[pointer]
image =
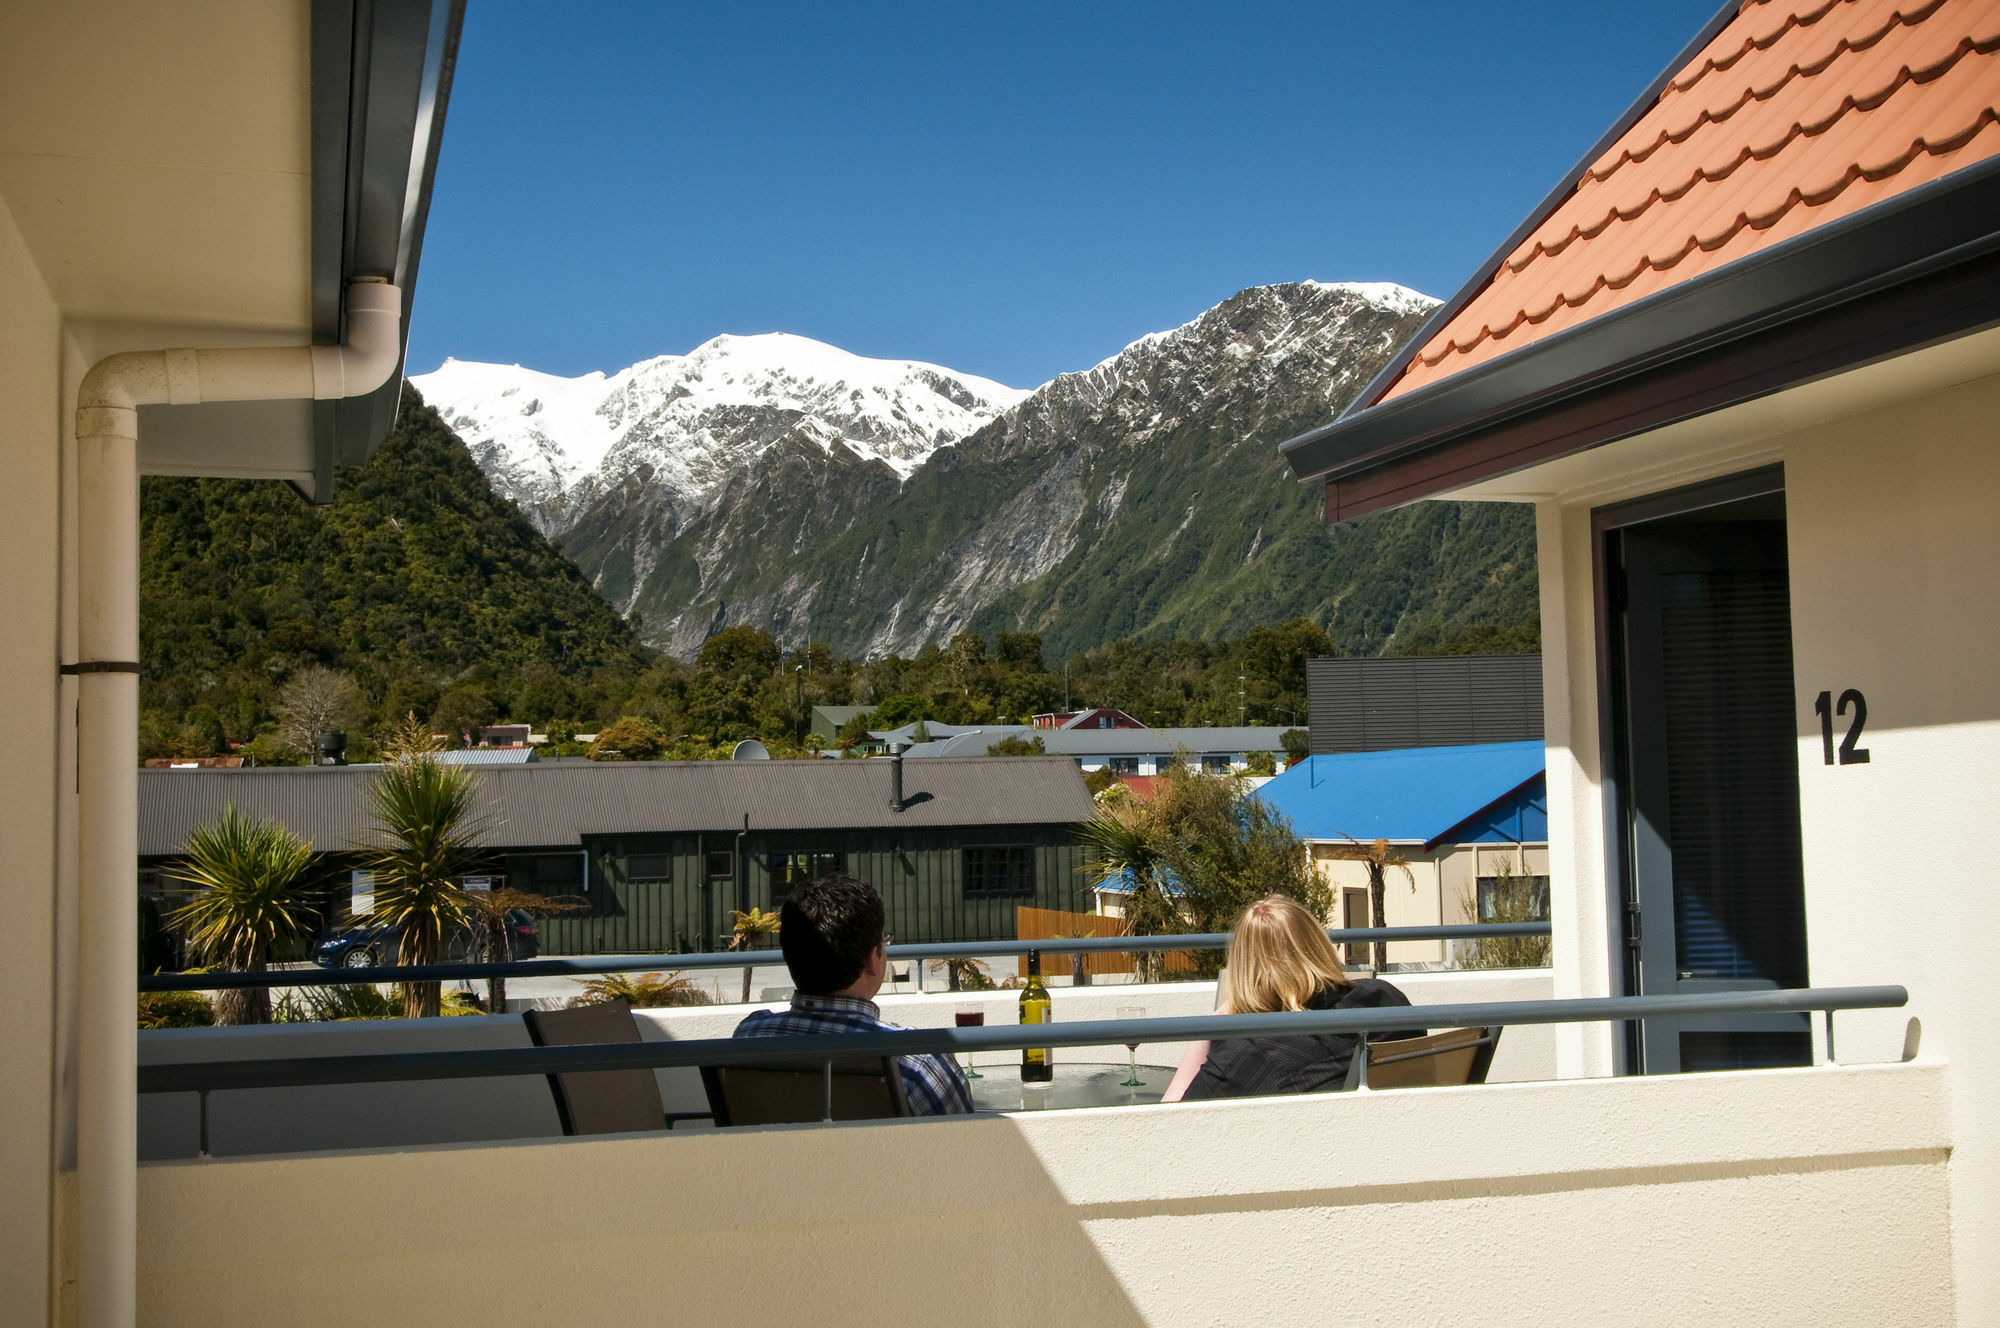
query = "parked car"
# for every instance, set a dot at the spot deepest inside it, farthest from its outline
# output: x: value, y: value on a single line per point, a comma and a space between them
x: 362, y: 946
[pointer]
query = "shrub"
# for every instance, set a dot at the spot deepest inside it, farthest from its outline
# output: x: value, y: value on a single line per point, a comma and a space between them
x: 643, y: 991
x: 175, y: 1009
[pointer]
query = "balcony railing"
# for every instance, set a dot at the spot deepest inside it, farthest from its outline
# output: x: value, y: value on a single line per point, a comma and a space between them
x: 205, y: 1077
x: 717, y: 959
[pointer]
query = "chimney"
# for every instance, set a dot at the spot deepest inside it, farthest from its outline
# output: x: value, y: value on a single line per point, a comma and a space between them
x: 896, y: 776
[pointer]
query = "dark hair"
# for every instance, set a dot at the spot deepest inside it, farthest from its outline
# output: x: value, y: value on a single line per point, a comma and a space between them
x: 826, y: 929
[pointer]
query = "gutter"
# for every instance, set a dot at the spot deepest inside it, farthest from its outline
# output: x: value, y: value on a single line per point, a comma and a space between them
x: 107, y: 721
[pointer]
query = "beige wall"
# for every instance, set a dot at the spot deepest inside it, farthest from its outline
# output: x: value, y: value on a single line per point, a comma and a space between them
x: 1707, y: 1198
x: 1895, y: 559
x: 30, y: 475
x: 1430, y: 893
x: 1895, y: 588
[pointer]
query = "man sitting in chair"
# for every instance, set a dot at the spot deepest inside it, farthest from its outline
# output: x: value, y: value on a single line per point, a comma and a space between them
x: 831, y: 932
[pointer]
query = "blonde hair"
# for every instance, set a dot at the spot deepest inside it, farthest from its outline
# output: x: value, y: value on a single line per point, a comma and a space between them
x: 1279, y: 958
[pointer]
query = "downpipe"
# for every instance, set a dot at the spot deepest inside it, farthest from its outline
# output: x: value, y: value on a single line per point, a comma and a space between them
x: 107, y: 720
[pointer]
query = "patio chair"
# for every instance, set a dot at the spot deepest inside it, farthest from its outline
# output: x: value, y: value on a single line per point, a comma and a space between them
x: 870, y: 1088
x: 598, y: 1101
x: 1458, y: 1056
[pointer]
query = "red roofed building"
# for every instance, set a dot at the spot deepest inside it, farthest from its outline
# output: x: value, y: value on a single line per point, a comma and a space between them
x: 1745, y: 361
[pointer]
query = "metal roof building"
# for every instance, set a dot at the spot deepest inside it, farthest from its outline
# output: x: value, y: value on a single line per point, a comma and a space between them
x: 1491, y: 793
x: 548, y: 804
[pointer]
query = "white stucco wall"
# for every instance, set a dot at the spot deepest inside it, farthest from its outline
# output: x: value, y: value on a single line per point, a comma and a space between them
x: 1788, y: 1196
x: 1895, y: 590
x: 30, y: 542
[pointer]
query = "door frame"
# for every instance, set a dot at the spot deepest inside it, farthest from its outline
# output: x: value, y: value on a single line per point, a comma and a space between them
x: 1620, y: 876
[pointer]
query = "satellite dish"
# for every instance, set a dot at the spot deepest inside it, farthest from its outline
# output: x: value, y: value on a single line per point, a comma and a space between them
x: 750, y: 750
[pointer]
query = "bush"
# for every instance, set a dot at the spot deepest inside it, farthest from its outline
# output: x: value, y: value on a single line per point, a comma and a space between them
x: 1260, y: 763
x: 1016, y: 745
x: 175, y: 1009
x: 342, y: 1004
x: 645, y: 991
x: 1513, y: 901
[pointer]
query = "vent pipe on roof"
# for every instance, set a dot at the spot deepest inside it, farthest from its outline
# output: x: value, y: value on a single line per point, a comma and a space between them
x: 896, y: 776
x: 107, y: 710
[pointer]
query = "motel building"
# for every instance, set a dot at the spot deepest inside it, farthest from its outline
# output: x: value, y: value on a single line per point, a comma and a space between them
x: 1744, y: 361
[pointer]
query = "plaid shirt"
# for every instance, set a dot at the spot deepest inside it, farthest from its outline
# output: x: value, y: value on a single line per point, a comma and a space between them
x: 933, y: 1083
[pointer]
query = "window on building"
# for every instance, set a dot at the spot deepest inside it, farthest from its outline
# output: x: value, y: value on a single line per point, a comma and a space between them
x: 649, y: 867
x: 546, y: 873
x: 721, y: 863
x: 1124, y: 765
x: 1513, y: 899
x: 1000, y: 871
x: 792, y: 869
x: 1218, y: 763
x: 1104, y: 722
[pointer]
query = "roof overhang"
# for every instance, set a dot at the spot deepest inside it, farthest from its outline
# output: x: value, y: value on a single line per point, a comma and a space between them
x: 1445, y: 836
x: 381, y: 77
x: 215, y: 176
x: 1914, y: 270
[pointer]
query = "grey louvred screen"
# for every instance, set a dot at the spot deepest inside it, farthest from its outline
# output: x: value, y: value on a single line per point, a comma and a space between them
x: 1373, y: 705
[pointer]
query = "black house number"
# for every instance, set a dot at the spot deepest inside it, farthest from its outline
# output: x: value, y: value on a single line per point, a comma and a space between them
x: 1825, y: 707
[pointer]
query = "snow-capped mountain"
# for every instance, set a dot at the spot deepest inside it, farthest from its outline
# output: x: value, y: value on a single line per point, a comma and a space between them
x: 687, y: 421
x: 881, y: 505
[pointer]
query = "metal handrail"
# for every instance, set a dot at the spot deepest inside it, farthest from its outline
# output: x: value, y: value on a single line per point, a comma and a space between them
x: 535, y: 968
x: 293, y: 1072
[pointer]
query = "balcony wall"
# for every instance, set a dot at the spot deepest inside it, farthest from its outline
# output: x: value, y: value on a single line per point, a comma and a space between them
x: 1781, y: 1196
x: 284, y: 1120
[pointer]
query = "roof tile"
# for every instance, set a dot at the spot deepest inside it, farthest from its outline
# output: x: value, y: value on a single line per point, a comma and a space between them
x: 1795, y: 115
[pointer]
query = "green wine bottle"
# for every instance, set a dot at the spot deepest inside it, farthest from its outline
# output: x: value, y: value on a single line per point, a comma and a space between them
x: 1037, y: 1066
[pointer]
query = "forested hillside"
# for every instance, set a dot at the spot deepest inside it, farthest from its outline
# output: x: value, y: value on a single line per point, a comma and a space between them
x: 421, y: 591
x: 418, y: 582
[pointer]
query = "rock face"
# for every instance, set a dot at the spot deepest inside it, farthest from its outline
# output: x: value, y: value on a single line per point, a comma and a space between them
x: 879, y: 507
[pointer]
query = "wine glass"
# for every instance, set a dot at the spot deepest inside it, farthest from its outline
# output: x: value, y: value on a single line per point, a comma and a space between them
x: 1132, y: 1048
x: 971, y: 1019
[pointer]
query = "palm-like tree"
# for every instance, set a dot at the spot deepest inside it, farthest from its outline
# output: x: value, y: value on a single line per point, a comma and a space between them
x: 424, y: 811
x: 748, y: 927
x: 488, y: 915
x: 1128, y: 854
x: 248, y: 900
x: 1379, y: 859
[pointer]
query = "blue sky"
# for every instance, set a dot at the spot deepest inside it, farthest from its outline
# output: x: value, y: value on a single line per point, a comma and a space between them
x: 1012, y: 190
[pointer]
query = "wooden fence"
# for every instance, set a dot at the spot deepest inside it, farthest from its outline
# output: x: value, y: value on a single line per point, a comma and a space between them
x: 1047, y: 924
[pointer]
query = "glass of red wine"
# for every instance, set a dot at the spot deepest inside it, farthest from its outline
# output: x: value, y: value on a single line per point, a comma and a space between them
x: 1132, y: 1048
x: 971, y: 1019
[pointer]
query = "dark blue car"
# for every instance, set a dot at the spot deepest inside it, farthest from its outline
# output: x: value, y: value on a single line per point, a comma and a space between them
x: 360, y: 946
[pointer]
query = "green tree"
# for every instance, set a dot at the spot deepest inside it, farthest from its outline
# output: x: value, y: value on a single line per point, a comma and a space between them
x: 423, y: 810
x: 1016, y: 745
x: 247, y: 901
x: 1198, y: 852
x: 1297, y: 744
x: 630, y: 739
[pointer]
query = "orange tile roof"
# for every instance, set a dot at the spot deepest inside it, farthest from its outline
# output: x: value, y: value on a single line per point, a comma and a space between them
x: 1798, y: 112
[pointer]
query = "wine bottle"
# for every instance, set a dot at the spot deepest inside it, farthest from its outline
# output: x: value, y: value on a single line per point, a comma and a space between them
x: 1037, y: 1066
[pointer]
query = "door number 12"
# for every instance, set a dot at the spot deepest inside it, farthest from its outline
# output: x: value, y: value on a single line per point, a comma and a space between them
x: 1824, y: 707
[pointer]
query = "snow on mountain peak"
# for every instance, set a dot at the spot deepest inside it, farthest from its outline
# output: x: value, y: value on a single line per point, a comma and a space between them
x: 690, y: 419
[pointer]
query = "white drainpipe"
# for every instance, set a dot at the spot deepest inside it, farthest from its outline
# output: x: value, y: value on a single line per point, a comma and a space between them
x: 107, y: 441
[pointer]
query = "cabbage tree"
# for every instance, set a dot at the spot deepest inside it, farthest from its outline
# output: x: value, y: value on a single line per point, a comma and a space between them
x: 247, y: 901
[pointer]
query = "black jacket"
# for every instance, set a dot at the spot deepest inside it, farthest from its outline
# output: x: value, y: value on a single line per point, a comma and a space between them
x: 1311, y: 1063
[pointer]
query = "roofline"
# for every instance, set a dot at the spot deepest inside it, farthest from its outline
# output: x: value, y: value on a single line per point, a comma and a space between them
x: 1386, y: 377
x: 1462, y: 821
x: 381, y: 82
x: 1942, y: 224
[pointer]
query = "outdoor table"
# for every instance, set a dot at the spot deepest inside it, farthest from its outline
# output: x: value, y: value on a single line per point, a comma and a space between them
x: 1076, y: 1084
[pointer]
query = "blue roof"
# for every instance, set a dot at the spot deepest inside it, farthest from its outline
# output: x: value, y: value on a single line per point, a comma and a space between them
x: 1488, y: 793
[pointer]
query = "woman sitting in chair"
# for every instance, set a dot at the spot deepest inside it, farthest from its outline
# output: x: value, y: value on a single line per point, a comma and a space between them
x: 1280, y: 959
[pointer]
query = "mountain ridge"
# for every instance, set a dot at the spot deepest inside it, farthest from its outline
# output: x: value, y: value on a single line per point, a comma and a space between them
x: 1143, y: 495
